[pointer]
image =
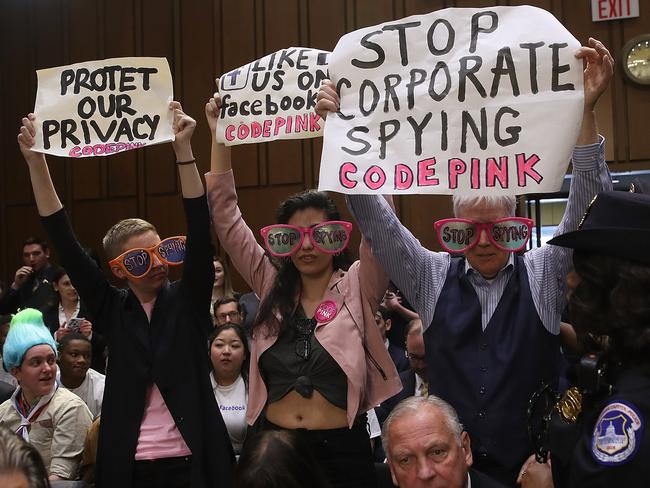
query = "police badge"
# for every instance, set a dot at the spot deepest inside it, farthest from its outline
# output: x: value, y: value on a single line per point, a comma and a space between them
x: 617, y: 434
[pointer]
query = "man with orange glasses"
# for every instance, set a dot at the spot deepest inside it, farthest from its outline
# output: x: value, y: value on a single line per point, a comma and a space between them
x: 160, y: 425
x: 491, y: 317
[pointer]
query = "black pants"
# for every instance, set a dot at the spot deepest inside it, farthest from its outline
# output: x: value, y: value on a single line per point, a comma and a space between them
x: 344, y: 454
x: 162, y: 473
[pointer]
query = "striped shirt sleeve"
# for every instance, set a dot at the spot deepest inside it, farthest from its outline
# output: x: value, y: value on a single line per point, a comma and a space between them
x: 418, y: 273
x: 548, y: 266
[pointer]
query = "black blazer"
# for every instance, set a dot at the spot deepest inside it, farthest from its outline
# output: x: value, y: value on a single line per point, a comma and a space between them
x: 398, y: 355
x: 170, y: 351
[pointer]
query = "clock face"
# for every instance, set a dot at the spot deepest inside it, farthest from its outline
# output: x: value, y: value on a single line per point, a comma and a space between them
x: 636, y: 61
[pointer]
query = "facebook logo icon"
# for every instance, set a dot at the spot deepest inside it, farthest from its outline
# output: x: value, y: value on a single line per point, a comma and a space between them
x: 234, y: 80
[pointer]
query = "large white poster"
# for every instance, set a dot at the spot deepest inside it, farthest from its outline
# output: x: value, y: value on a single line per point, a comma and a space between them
x: 459, y: 100
x: 272, y: 98
x: 103, y: 107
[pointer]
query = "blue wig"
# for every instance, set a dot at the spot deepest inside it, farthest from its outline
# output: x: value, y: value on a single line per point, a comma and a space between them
x: 26, y: 330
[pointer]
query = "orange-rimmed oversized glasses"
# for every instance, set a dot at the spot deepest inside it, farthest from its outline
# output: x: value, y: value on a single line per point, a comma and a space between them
x: 138, y: 262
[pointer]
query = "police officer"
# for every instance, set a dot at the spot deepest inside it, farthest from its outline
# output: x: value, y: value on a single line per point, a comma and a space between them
x: 610, y: 309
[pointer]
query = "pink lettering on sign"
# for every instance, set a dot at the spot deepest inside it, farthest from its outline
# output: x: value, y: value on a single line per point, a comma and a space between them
x: 473, y: 173
x: 326, y: 311
x: 290, y: 124
x: 103, y: 149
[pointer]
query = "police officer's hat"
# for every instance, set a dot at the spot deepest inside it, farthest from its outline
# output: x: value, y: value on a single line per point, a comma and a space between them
x: 615, y: 224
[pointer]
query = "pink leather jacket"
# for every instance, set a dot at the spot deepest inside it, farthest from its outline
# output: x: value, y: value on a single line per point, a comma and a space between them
x: 371, y: 374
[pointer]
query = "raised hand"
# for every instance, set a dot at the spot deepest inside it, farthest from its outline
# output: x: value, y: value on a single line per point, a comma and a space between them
x: 212, y: 109
x: 183, y: 126
x: 599, y: 69
x: 327, y: 99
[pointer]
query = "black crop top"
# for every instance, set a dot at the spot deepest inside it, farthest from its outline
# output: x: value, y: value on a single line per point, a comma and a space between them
x: 297, y: 361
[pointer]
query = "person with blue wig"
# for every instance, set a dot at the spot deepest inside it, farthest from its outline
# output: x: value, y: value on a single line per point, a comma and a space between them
x: 52, y: 419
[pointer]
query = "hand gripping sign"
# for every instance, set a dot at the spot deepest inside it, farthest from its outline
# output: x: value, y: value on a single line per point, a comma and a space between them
x: 272, y: 98
x: 103, y: 107
x: 456, y: 101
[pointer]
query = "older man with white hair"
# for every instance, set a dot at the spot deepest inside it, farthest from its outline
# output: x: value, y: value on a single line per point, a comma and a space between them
x: 426, y: 447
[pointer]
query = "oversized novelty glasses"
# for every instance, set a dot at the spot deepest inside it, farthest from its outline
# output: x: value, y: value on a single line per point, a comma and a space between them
x: 330, y: 237
x: 137, y: 262
x: 458, y: 235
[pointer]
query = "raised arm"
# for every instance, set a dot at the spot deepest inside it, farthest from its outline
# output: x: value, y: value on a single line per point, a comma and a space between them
x: 198, y: 272
x: 550, y: 264
x: 47, y: 200
x: 248, y: 257
x: 418, y: 272
x: 87, y: 278
x: 598, y: 71
x: 183, y: 126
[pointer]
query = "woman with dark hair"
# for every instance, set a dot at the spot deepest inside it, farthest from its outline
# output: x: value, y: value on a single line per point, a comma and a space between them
x: 20, y: 463
x: 610, y: 310
x: 318, y: 361
x: 229, y: 355
x: 278, y: 459
x: 68, y: 315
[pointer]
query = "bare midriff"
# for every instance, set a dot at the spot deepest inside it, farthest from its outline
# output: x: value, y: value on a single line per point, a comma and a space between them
x: 293, y: 411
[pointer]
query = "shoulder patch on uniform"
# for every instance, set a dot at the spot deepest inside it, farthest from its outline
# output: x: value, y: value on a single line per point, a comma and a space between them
x: 617, y: 434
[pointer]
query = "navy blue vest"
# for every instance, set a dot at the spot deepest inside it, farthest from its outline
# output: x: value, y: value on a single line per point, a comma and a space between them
x: 489, y: 376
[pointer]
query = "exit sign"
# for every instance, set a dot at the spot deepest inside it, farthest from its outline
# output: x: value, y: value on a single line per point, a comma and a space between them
x: 614, y: 9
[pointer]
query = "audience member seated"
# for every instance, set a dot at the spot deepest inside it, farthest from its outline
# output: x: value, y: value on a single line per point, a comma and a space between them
x: 67, y: 314
x: 278, y: 459
x: 76, y: 374
x: 426, y: 446
x: 52, y: 419
x: 397, y: 354
x: 21, y: 465
x: 226, y: 310
x: 400, y: 313
x: 230, y: 358
x: 222, y: 286
x: 31, y: 287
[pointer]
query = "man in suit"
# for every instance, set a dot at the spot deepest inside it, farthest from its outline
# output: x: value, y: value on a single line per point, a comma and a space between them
x: 32, y: 285
x: 397, y: 354
x: 426, y: 446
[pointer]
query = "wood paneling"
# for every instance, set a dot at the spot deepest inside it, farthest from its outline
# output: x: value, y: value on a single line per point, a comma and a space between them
x: 202, y: 39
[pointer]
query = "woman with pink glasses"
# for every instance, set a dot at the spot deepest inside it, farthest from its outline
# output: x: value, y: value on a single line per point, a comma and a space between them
x: 318, y: 362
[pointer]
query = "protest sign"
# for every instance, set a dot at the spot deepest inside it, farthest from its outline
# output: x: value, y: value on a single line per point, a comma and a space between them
x: 103, y: 107
x: 469, y: 101
x: 272, y: 98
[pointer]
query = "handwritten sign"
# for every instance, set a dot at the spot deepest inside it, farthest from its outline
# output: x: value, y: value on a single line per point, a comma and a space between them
x: 472, y: 101
x: 103, y: 107
x: 272, y: 98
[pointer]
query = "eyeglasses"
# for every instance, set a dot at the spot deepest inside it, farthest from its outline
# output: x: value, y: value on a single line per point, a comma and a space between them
x: 231, y: 315
x: 330, y: 237
x: 138, y: 262
x: 459, y: 235
x: 304, y: 328
x: 415, y: 357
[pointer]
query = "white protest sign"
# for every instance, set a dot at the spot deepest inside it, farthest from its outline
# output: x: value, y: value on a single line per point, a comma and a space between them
x: 456, y: 101
x: 272, y: 98
x: 103, y: 107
